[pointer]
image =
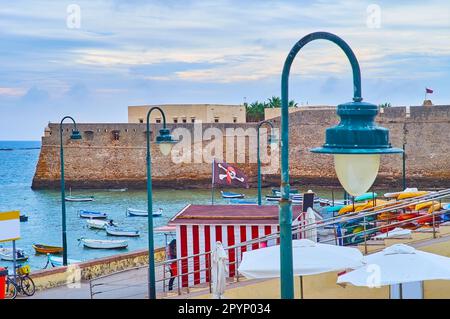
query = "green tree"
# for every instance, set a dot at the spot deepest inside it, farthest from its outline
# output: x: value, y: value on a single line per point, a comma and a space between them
x: 384, y: 105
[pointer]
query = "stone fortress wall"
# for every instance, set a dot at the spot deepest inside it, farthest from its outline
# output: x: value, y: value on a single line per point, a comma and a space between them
x: 100, y: 160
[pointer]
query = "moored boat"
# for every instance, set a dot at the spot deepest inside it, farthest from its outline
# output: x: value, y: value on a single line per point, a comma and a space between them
x: 231, y: 195
x: 116, y: 231
x: 89, y: 214
x: 103, y: 243
x: 47, y: 249
x: 100, y: 224
x: 7, y: 254
x: 142, y: 213
x: 56, y: 261
x: 79, y: 198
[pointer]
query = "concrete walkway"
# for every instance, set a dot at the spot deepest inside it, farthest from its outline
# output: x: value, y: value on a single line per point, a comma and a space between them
x: 127, y: 284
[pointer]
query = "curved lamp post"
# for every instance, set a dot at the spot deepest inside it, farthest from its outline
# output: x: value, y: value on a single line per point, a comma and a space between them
x: 272, y: 140
x: 74, y: 136
x: 356, y: 143
x: 165, y: 141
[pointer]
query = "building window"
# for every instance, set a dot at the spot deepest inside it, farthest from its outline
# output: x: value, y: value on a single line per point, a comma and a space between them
x: 184, y: 120
x: 141, y: 121
x: 88, y: 135
x: 175, y: 119
x: 115, y: 135
x: 234, y: 119
x: 158, y: 120
x: 192, y: 119
x: 216, y: 120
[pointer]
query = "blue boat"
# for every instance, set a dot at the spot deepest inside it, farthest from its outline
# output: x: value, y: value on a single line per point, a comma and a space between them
x: 88, y: 214
x: 231, y: 195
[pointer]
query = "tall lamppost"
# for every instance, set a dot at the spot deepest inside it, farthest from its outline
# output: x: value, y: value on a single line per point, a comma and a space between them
x: 75, y: 135
x: 272, y: 140
x: 165, y: 141
x: 356, y: 143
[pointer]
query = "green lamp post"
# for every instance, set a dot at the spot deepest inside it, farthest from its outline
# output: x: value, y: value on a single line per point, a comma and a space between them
x: 165, y: 141
x: 356, y: 143
x: 272, y: 141
x: 75, y: 135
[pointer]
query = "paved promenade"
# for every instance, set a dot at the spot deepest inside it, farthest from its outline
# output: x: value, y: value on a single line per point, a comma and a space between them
x: 129, y: 284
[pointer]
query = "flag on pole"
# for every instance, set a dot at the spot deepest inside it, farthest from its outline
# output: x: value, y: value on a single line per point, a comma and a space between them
x: 427, y: 90
x: 225, y: 174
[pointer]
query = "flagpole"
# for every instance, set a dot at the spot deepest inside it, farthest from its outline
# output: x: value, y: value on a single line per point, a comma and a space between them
x: 212, y: 181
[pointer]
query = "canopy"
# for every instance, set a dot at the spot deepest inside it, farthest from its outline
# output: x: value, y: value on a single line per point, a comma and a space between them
x: 398, y: 264
x: 309, y: 258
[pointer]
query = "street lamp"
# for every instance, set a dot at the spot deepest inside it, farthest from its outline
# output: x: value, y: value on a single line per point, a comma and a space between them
x: 74, y: 136
x: 356, y: 143
x: 272, y: 140
x: 165, y: 141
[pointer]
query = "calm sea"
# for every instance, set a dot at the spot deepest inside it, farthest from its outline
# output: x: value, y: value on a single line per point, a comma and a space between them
x: 17, y: 165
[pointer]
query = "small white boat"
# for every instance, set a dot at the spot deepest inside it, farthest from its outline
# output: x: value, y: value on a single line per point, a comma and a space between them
x: 79, y: 198
x: 89, y: 214
x: 142, y: 213
x: 56, y: 261
x: 115, y: 231
x: 7, y: 254
x: 104, y: 244
x: 231, y: 195
x: 117, y: 189
x: 100, y: 224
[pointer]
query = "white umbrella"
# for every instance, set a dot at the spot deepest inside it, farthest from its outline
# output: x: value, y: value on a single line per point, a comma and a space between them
x: 218, y: 270
x: 398, y: 264
x: 309, y: 258
x: 311, y: 233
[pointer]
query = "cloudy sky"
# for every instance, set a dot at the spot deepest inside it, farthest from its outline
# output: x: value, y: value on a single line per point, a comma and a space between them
x: 118, y: 53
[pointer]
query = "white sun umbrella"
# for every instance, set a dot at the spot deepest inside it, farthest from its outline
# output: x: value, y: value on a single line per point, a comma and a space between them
x: 398, y: 264
x: 309, y: 258
x: 218, y: 270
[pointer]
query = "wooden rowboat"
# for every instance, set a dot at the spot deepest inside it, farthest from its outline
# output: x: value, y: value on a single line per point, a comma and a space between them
x: 104, y: 244
x: 141, y: 213
x: 79, y: 199
x: 47, y: 249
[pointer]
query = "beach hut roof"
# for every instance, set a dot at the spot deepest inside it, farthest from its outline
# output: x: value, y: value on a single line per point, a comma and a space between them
x: 230, y: 214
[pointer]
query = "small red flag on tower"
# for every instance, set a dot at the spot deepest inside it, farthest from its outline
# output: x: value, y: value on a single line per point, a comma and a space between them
x: 427, y: 90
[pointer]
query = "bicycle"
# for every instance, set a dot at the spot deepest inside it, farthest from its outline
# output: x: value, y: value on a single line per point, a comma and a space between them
x: 22, y: 283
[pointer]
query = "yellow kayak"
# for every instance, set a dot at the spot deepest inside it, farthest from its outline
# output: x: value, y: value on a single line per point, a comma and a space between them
x: 425, y: 205
x: 434, y: 208
x: 370, y: 204
x: 411, y: 194
x: 349, y: 208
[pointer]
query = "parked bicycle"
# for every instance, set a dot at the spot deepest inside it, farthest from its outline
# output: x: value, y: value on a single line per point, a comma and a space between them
x: 22, y: 283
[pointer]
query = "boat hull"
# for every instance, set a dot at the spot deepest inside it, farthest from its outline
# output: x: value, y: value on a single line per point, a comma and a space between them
x: 122, y: 232
x: 104, y: 244
x: 45, y: 249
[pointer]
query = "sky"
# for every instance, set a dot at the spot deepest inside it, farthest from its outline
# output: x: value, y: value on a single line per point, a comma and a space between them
x: 91, y: 59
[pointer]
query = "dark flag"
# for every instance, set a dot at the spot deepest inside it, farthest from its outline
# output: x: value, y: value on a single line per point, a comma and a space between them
x: 225, y: 174
x: 427, y: 90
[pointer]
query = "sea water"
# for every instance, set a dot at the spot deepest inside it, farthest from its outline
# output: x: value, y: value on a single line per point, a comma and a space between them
x: 17, y: 166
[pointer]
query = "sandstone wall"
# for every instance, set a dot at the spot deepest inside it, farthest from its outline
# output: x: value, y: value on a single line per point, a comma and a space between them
x: 98, y: 161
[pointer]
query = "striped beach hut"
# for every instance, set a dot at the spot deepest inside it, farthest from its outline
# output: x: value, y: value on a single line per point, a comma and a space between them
x: 198, y: 227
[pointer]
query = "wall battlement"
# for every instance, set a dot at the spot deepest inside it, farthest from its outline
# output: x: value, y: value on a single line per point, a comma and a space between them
x: 113, y: 155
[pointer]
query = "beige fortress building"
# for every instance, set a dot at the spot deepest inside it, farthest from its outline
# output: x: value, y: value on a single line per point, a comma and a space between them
x: 271, y: 113
x: 189, y: 113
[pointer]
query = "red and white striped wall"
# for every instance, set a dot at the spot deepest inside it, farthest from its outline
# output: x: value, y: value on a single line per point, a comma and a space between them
x: 197, y: 239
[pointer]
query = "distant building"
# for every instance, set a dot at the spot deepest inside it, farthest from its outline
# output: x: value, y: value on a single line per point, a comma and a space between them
x: 189, y: 113
x: 270, y: 113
